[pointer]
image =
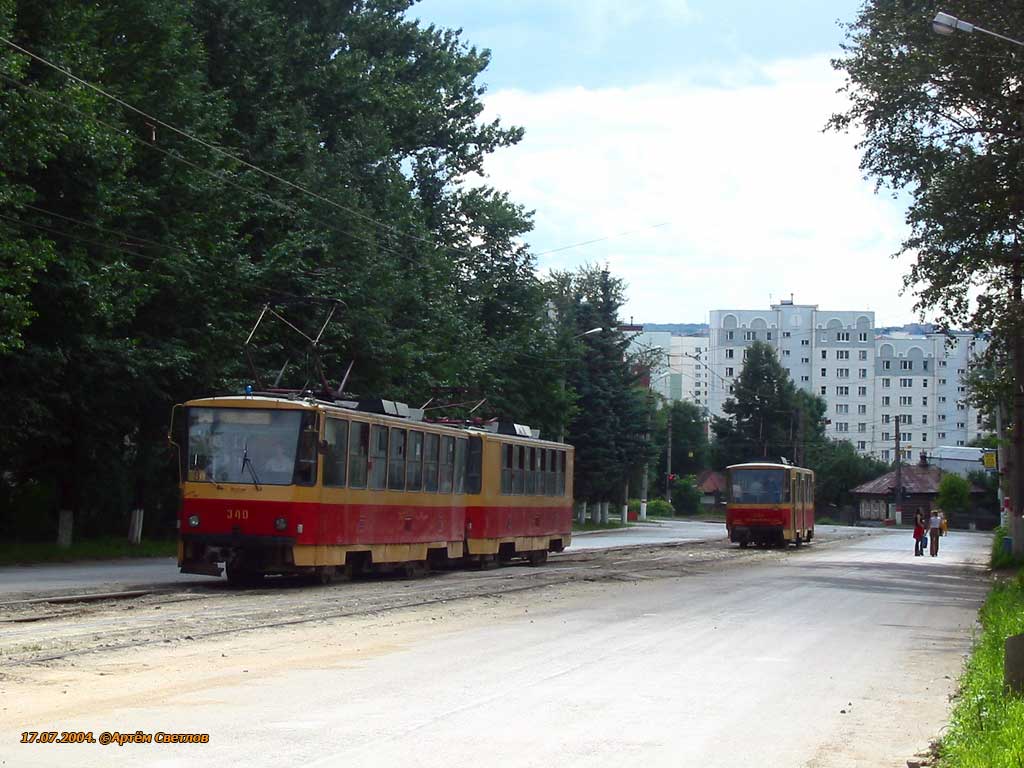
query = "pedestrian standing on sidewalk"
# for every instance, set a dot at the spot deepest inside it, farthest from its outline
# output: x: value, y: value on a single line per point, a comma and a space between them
x: 934, y: 531
x: 918, y: 534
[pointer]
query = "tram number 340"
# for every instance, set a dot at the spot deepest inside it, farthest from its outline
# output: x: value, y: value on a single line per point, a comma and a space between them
x: 238, y: 514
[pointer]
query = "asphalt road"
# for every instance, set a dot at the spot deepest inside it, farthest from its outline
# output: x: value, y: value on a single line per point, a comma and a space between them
x: 838, y: 655
x: 20, y: 581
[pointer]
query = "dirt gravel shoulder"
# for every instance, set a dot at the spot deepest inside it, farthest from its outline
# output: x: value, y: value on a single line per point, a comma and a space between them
x: 45, y: 634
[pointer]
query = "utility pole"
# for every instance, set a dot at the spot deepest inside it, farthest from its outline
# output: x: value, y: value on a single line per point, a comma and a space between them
x: 668, y: 460
x: 1017, y: 486
x: 1004, y: 518
x: 899, y: 474
x: 798, y: 437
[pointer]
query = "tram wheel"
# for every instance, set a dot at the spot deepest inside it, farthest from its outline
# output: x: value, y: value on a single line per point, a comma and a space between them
x: 487, y: 562
x: 415, y: 569
x: 537, y: 557
x: 744, y: 543
x: 798, y: 541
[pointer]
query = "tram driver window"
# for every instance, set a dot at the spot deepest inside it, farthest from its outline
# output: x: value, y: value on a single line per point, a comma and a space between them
x: 336, y: 437
x: 306, y: 458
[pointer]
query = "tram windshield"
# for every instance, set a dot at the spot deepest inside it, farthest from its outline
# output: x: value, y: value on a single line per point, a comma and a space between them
x: 242, y: 445
x: 757, y: 486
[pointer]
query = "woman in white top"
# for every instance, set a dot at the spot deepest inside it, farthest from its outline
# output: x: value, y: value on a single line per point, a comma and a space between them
x: 934, y: 531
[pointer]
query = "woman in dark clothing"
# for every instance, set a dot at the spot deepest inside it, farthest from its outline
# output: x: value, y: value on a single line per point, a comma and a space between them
x: 918, y: 534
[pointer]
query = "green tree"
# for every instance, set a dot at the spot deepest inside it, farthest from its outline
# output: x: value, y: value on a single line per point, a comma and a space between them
x: 954, y: 494
x: 133, y: 261
x: 685, y: 495
x: 760, y: 416
x: 612, y: 413
x: 941, y: 122
x: 838, y: 469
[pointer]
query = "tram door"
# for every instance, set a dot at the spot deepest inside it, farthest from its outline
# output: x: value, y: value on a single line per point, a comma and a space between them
x: 796, y: 506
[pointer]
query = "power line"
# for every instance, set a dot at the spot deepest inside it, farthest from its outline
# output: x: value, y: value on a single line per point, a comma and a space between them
x: 197, y: 140
x: 602, y: 239
x: 221, y: 177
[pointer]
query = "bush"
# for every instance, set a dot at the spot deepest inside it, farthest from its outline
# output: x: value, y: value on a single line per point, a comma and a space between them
x: 659, y: 508
x: 685, y: 496
x: 1000, y: 557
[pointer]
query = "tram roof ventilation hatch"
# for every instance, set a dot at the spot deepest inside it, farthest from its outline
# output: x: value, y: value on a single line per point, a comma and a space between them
x: 510, y: 428
x: 385, y: 407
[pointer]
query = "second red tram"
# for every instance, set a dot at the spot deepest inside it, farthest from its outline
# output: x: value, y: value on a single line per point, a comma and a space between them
x: 279, y: 485
x: 769, y: 504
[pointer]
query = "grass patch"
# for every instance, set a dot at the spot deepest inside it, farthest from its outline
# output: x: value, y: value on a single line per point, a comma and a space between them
x: 24, y: 553
x: 987, y: 726
x: 592, y: 526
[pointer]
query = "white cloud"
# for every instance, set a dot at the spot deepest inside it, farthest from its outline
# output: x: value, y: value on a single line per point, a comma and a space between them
x: 760, y: 199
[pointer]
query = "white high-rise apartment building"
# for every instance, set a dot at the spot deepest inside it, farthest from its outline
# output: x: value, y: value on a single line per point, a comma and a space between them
x: 867, y: 381
x: 680, y: 370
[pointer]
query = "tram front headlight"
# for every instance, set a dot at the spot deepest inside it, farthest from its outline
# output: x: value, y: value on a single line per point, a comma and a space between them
x: 281, y: 523
x: 193, y: 521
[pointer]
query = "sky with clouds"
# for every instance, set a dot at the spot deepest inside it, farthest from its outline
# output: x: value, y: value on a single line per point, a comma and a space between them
x: 696, y: 127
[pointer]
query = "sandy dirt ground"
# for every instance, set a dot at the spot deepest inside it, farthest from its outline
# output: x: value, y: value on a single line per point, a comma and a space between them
x: 843, y: 653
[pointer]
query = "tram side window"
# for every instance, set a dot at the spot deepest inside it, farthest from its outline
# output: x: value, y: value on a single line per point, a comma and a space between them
x: 530, y: 484
x: 414, y: 467
x: 542, y: 472
x: 430, y: 456
x: 550, y: 479
x: 447, y: 464
x: 358, y: 451
x: 336, y: 437
x: 460, y: 465
x: 305, y: 459
x: 396, y: 460
x: 506, y: 469
x: 474, y: 465
x: 560, y: 473
x: 378, y: 457
x: 517, y: 468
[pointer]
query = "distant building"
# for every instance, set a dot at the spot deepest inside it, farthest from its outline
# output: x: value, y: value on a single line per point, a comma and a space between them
x: 963, y: 460
x: 868, y: 381
x: 680, y: 370
x: 876, y: 499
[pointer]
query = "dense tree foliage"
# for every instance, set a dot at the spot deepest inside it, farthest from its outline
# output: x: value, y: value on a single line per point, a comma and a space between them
x: 760, y: 416
x: 611, y: 418
x: 954, y: 494
x: 296, y: 154
x: 941, y: 118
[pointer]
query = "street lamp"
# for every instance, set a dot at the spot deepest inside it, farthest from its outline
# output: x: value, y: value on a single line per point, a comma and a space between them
x: 947, y: 24
x: 587, y: 333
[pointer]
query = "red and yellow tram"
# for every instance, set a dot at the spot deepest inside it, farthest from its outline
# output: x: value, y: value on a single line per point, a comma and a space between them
x: 279, y: 485
x: 769, y: 504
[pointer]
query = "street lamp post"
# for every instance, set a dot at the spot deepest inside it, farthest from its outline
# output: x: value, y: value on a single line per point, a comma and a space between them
x: 947, y: 24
